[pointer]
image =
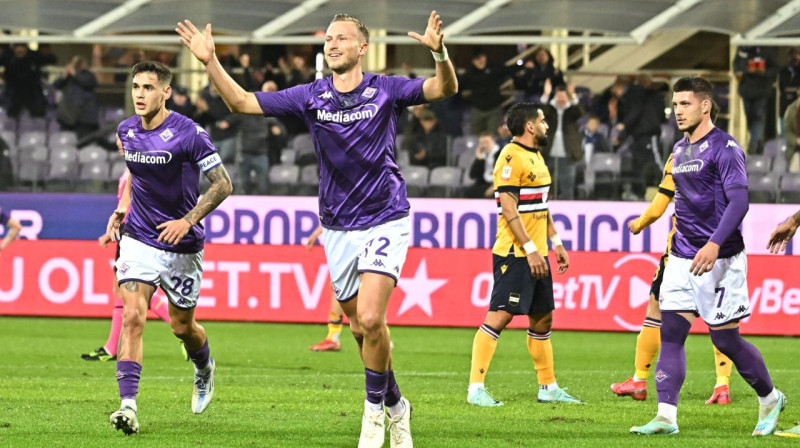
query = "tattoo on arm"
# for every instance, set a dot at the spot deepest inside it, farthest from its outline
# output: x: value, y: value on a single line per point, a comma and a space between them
x: 131, y: 286
x: 219, y: 190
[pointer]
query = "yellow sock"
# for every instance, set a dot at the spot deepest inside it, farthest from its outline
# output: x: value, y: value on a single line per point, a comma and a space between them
x: 334, y: 327
x: 483, y: 347
x: 724, y: 365
x: 541, y: 351
x: 647, y: 345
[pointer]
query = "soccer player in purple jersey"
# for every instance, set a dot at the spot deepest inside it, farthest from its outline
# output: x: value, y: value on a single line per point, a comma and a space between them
x: 12, y: 228
x: 352, y: 117
x: 707, y: 272
x: 162, y: 244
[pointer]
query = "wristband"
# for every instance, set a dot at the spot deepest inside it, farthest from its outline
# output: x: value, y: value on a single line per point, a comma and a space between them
x: 529, y: 247
x: 556, y: 240
x: 440, y: 57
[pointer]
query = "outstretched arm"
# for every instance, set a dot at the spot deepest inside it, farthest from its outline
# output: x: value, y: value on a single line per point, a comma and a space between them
x: 12, y: 230
x: 220, y: 188
x: 445, y: 83
x: 202, y: 47
x: 654, y: 211
x: 783, y: 234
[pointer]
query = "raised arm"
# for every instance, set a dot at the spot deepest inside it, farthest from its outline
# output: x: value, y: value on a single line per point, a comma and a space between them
x: 202, y: 47
x: 445, y: 83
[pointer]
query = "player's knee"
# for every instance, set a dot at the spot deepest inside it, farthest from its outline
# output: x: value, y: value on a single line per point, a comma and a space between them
x: 541, y: 323
x: 181, y: 329
x: 674, y: 328
x: 727, y: 341
x: 371, y: 324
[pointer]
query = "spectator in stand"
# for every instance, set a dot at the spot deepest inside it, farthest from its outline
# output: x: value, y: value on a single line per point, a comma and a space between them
x: 482, y: 168
x: 607, y: 105
x: 412, y: 125
x: 789, y: 80
x: 755, y: 69
x: 503, y: 137
x: 430, y: 144
x: 593, y: 140
x: 791, y: 130
x: 23, y: 75
x: 77, y: 109
x: 481, y: 84
x: 642, y: 115
x: 534, y: 75
x: 563, y: 149
x: 180, y: 102
x: 212, y: 112
x: 262, y: 139
x: 298, y: 73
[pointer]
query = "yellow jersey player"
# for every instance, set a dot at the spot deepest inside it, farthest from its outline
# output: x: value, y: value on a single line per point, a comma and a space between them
x: 523, y: 284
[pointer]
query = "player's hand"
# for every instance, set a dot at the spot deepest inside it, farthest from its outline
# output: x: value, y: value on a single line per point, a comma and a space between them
x: 311, y: 240
x: 632, y: 227
x: 433, y: 37
x: 704, y: 260
x: 174, y: 231
x: 202, y: 47
x: 562, y: 258
x: 114, y: 221
x: 104, y: 239
x: 781, y: 236
x: 538, y: 265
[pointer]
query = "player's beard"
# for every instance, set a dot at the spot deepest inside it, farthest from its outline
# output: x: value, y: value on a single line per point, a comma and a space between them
x: 344, y: 65
x: 540, y: 140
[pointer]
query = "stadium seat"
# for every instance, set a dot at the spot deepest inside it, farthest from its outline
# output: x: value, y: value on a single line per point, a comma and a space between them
x: 465, y: 160
x: 117, y: 168
x: 779, y: 164
x: 466, y: 181
x: 790, y: 189
x: 398, y: 142
x: 32, y: 139
x: 309, y: 180
x: 31, y: 172
x: 444, y: 182
x: 416, y: 178
x: 775, y: 147
x: 92, y: 153
x: 301, y: 141
x: 63, y: 139
x: 288, y: 156
x: 61, y: 175
x: 605, y: 169
x: 113, y: 115
x: 466, y: 143
x: 92, y: 176
x: 305, y: 155
x: 762, y: 188
x: 403, y: 158
x: 29, y: 124
x: 283, y: 179
x: 758, y: 164
x: 63, y: 155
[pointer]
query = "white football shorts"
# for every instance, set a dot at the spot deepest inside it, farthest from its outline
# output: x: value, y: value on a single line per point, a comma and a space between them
x: 177, y: 274
x: 719, y: 297
x: 381, y: 249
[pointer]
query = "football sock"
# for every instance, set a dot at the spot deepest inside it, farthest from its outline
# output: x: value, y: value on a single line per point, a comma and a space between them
x: 112, y: 342
x: 334, y: 327
x: 671, y: 365
x: 129, y: 402
x: 647, y: 345
x: 200, y: 359
x: 746, y: 357
x: 483, y: 347
x: 376, y: 384
x: 128, y: 374
x: 723, y: 366
x: 772, y: 397
x: 393, y: 395
x: 541, y: 351
x: 668, y: 412
x: 161, y: 308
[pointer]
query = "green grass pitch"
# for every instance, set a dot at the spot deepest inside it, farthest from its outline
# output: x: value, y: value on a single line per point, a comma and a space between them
x: 273, y: 392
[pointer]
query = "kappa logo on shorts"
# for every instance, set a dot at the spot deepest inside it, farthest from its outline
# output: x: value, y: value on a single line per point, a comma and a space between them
x: 741, y: 309
x: 378, y: 263
x: 719, y: 316
x: 661, y: 376
x: 513, y: 299
x: 123, y: 268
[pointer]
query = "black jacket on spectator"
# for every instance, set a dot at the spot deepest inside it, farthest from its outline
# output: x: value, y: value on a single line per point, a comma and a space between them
x: 217, y: 111
x: 484, y: 85
x: 435, y: 146
x: 78, y: 103
x: 753, y: 85
x: 642, y: 111
x: 570, y: 129
x: 23, y: 76
x: 531, y: 80
x: 789, y: 83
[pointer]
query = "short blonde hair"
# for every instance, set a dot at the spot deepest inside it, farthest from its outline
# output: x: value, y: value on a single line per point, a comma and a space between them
x: 363, y: 31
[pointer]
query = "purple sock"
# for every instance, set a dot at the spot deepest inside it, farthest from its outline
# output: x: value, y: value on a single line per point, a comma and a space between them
x: 392, y: 391
x: 376, y: 383
x: 745, y: 357
x: 200, y: 357
x: 128, y: 373
x: 671, y: 365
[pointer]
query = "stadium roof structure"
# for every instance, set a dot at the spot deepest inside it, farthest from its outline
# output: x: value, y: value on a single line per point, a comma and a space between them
x: 748, y: 22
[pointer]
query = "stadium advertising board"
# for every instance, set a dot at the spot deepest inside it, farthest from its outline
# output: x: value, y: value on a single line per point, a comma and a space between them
x: 438, y: 287
x: 437, y: 223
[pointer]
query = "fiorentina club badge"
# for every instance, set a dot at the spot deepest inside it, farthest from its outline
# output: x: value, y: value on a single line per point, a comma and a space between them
x: 166, y: 135
x: 661, y: 376
x: 369, y: 92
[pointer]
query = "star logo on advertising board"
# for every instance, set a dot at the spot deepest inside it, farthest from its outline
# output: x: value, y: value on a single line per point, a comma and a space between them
x: 418, y: 290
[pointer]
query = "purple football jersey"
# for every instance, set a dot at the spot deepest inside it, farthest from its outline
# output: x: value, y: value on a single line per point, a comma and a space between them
x: 165, y: 165
x: 354, y: 137
x: 704, y: 172
x: 4, y: 217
